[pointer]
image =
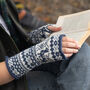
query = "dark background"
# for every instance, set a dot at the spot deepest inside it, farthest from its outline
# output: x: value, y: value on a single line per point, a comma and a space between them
x: 50, y: 10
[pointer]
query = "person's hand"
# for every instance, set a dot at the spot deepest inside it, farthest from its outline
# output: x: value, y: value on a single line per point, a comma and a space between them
x: 54, y: 29
x: 69, y: 46
x: 54, y: 48
x: 40, y: 34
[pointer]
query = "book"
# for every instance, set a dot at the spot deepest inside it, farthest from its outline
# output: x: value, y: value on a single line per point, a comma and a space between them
x: 76, y: 26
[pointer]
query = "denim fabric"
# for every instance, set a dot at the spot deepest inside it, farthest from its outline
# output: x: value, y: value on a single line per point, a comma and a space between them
x: 40, y: 80
x: 77, y: 74
x: 73, y: 74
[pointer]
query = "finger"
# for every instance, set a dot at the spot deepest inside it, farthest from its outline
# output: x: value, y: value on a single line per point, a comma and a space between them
x: 69, y: 50
x: 66, y: 39
x: 70, y: 45
x: 68, y: 55
x: 55, y: 29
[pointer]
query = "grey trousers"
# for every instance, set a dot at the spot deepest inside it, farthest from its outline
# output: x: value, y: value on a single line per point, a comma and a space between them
x: 73, y: 74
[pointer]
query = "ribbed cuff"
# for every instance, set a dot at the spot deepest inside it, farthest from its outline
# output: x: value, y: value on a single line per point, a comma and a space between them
x: 9, y: 69
x: 60, y: 48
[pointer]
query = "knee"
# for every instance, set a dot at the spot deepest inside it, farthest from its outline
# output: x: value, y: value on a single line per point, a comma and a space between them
x: 79, y: 61
x: 82, y: 58
x: 77, y: 72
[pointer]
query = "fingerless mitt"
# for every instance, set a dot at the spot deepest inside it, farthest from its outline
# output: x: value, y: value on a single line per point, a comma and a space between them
x: 50, y: 50
x: 40, y: 34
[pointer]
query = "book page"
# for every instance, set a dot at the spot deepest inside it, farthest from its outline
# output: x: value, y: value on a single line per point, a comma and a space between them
x: 75, y: 25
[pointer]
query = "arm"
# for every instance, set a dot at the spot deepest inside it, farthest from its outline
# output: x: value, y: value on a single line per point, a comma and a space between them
x: 49, y: 50
x: 16, y: 66
x: 5, y: 77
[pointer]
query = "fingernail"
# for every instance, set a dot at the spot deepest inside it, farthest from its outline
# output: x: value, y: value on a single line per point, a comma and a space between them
x: 79, y: 46
x: 76, y: 51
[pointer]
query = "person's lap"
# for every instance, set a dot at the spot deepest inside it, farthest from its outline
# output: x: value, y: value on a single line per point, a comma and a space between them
x: 77, y: 74
x: 43, y: 77
x: 72, y: 74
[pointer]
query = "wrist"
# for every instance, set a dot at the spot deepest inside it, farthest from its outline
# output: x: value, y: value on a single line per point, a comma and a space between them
x: 44, y: 52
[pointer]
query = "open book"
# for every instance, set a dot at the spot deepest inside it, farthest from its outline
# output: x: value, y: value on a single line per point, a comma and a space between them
x: 75, y: 26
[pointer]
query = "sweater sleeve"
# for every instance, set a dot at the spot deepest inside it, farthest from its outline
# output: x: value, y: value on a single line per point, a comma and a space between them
x: 47, y: 51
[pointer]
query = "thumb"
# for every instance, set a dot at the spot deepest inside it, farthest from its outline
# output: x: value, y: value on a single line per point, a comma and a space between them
x: 54, y: 29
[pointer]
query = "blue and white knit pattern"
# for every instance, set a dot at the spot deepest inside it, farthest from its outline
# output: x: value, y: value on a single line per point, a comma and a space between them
x: 44, y: 52
x: 40, y: 34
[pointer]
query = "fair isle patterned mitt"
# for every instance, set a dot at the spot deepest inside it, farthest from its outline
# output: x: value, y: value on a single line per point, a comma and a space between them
x: 47, y: 51
x: 40, y: 34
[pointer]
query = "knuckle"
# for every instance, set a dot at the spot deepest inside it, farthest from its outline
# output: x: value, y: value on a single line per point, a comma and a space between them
x: 73, y: 50
x: 62, y: 43
x: 67, y: 44
x: 65, y: 50
x: 64, y: 38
